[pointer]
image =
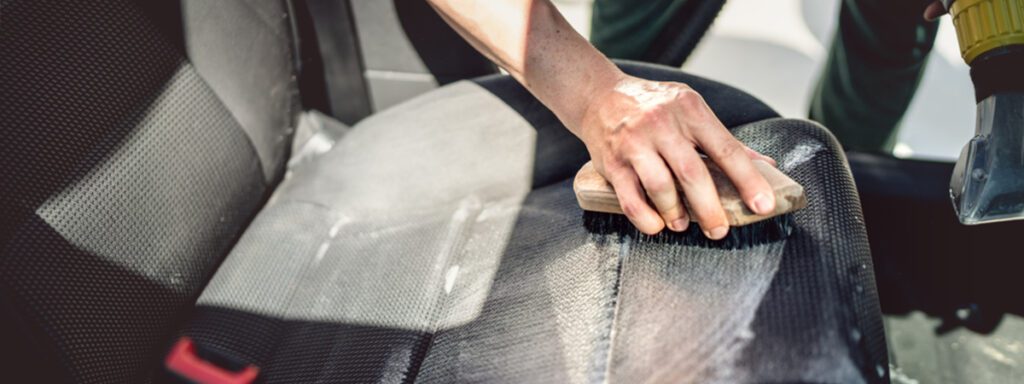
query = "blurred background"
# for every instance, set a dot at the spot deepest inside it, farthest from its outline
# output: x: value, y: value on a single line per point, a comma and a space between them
x: 775, y: 50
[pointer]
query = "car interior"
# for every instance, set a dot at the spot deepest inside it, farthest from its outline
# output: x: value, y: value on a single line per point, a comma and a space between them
x: 346, y: 191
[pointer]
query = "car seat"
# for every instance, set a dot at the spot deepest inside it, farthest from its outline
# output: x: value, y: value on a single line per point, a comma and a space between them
x: 151, y: 195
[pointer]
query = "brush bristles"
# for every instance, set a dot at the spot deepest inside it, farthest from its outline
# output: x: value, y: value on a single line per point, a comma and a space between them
x: 762, y: 232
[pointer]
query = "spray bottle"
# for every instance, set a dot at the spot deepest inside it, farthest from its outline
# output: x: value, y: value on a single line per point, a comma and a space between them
x: 988, y: 180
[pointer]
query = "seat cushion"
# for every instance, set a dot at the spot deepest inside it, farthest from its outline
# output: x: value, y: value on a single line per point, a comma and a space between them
x: 135, y: 147
x: 440, y: 241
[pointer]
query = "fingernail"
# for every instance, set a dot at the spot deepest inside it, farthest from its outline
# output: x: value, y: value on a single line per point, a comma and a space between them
x: 763, y: 204
x: 716, y: 233
x: 680, y: 225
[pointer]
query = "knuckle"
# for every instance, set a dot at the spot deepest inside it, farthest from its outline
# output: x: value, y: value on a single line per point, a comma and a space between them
x: 690, y: 100
x: 617, y: 173
x: 670, y: 210
x: 631, y: 132
x: 613, y: 144
x: 608, y: 170
x: 674, y: 141
x: 690, y: 171
x: 620, y: 144
x: 631, y: 208
x: 730, y: 148
x: 612, y: 165
x: 637, y: 151
x: 630, y: 152
x: 660, y: 186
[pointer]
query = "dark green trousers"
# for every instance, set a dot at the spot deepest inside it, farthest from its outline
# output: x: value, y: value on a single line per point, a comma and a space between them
x: 874, y: 64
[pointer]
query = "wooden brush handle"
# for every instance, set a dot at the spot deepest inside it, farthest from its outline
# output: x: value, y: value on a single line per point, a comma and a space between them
x: 594, y: 193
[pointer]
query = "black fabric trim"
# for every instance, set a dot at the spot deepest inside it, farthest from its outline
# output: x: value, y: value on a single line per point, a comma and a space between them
x: 28, y: 357
x: 998, y: 71
x: 308, y: 63
x: 347, y: 91
x: 446, y: 54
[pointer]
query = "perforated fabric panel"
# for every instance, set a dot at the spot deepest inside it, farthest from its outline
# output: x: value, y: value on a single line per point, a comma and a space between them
x: 825, y: 292
x: 355, y: 306
x: 300, y: 348
x: 547, y: 314
x: 446, y: 246
x: 124, y: 179
x: 802, y: 310
x: 685, y: 312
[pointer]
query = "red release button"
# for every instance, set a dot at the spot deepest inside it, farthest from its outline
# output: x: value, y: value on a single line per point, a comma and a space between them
x: 183, y: 361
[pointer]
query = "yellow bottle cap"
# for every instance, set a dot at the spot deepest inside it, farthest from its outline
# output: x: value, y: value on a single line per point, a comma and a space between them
x: 983, y: 25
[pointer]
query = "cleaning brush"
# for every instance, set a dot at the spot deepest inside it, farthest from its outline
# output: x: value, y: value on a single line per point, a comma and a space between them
x: 603, y: 215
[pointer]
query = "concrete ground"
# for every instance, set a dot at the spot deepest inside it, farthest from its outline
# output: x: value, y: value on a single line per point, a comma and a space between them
x: 790, y: 50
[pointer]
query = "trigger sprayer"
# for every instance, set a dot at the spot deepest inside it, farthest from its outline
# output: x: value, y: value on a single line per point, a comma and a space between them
x: 988, y: 180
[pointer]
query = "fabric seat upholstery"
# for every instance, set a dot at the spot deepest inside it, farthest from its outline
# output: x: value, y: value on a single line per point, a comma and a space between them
x: 439, y: 241
x: 137, y: 142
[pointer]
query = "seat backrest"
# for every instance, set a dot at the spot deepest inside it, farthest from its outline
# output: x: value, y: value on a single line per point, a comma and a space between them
x: 137, y: 140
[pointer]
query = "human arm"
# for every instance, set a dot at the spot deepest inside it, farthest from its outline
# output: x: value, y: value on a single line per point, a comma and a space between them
x: 643, y: 136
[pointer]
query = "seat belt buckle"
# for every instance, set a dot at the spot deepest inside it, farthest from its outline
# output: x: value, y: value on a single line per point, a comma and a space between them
x: 187, y: 364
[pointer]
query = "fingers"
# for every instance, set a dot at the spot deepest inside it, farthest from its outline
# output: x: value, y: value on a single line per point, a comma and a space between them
x: 699, y: 189
x: 755, y: 155
x: 660, y: 186
x: 934, y: 11
x: 631, y: 199
x: 648, y: 135
x: 734, y: 159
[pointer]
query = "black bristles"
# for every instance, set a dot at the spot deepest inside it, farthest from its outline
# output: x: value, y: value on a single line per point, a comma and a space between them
x: 762, y: 232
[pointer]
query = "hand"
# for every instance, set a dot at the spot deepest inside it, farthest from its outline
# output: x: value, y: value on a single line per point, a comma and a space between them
x: 934, y: 10
x: 644, y: 135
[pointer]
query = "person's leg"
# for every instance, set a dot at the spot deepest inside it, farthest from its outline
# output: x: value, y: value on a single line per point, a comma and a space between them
x: 624, y: 29
x: 874, y: 66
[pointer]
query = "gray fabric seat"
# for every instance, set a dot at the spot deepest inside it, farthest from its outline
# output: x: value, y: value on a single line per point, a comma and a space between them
x: 439, y: 241
x: 138, y: 140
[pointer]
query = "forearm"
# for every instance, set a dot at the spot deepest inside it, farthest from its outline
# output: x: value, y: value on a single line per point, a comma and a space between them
x: 532, y: 41
x: 643, y: 136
